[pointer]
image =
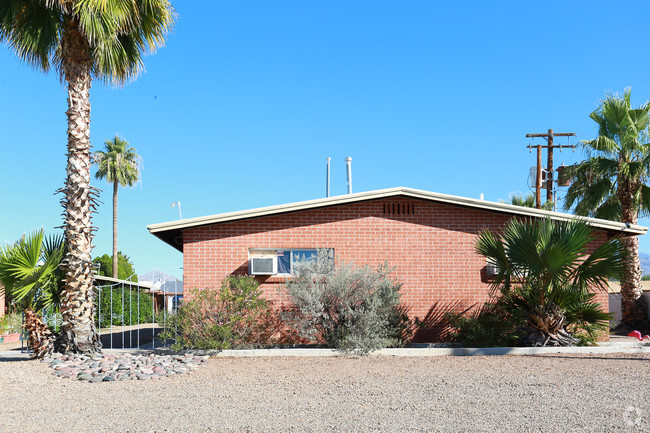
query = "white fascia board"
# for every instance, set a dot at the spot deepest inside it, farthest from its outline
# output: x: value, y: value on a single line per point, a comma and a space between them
x: 391, y: 192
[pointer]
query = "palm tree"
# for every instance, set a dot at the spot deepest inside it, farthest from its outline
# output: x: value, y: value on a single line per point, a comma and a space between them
x: 611, y: 184
x: 120, y: 165
x: 544, y: 274
x: 527, y: 201
x: 83, y: 39
x: 29, y: 271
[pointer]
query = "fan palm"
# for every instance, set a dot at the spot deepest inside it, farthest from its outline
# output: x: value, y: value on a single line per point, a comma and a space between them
x: 29, y: 271
x: 544, y: 273
x: 527, y: 201
x: 119, y: 165
x: 83, y: 39
x: 611, y: 184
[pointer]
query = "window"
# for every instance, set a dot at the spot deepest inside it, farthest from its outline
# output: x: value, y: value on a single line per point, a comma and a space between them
x: 278, y: 261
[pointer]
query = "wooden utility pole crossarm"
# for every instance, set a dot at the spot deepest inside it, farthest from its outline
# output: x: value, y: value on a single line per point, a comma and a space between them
x: 549, y: 178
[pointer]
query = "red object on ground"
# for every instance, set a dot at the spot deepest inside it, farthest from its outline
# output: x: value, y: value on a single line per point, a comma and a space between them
x: 637, y: 334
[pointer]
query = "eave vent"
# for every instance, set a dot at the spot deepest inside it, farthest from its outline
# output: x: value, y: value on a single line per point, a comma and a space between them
x: 399, y: 209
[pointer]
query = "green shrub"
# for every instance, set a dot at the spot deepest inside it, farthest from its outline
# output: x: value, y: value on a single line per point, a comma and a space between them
x: 347, y: 307
x: 233, y: 317
x: 11, y: 323
x: 487, y: 326
x: 123, y: 307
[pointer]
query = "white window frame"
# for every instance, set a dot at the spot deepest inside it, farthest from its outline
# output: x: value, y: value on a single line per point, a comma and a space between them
x: 262, y: 252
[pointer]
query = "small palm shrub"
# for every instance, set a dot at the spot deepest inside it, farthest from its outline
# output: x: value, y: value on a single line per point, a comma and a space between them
x: 31, y: 275
x: 346, y: 307
x: 546, y: 276
x: 233, y: 317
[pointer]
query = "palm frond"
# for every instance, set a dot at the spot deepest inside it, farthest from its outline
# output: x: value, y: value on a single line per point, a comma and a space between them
x: 118, y: 32
x: 118, y: 163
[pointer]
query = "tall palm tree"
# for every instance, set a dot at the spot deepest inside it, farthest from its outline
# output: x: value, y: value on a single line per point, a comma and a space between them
x: 29, y: 271
x: 611, y: 184
x: 119, y: 165
x: 83, y: 39
x: 545, y: 275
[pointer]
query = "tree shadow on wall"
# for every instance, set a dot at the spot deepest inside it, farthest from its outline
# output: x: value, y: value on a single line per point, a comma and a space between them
x: 435, y: 327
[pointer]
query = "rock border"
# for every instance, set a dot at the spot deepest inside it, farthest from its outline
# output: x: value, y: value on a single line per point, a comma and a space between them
x: 113, y: 367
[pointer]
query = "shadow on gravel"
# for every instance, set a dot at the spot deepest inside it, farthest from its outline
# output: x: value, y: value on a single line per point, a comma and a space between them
x: 600, y: 357
x: 128, y: 339
x: 14, y: 355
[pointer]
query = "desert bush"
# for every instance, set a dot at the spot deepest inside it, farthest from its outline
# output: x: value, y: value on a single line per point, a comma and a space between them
x: 347, y: 307
x: 119, y: 306
x: 11, y: 323
x: 233, y: 317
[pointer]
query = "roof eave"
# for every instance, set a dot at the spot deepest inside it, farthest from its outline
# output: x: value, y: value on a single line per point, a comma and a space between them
x: 170, y: 232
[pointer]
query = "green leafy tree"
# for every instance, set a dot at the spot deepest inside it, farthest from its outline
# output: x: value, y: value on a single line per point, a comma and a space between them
x: 29, y: 271
x: 612, y: 184
x: 123, y: 305
x: 545, y: 275
x: 119, y: 164
x: 83, y: 39
x: 125, y: 268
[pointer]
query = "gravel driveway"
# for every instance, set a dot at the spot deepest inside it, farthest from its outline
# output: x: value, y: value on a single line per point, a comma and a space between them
x: 559, y: 393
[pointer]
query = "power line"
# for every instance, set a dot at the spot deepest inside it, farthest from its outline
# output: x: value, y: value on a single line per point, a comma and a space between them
x: 549, y: 162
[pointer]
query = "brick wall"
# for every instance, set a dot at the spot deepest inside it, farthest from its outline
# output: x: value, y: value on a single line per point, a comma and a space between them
x: 430, y: 244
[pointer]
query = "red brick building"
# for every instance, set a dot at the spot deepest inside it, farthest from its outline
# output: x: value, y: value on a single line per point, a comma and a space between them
x: 428, y: 237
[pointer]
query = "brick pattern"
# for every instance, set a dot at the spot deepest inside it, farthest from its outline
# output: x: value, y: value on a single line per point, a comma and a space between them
x: 430, y: 244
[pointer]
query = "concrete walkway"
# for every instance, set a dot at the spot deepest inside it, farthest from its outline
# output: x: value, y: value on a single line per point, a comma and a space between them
x: 619, y: 346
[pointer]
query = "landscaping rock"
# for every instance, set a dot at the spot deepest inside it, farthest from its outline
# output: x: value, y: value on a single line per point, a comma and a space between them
x: 110, y: 368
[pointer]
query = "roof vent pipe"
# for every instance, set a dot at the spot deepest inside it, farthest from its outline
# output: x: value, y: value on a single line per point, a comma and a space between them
x: 348, y: 163
x: 327, y: 187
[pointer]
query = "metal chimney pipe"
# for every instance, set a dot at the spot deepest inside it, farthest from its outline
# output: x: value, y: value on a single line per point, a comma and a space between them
x: 327, y: 189
x: 348, y: 163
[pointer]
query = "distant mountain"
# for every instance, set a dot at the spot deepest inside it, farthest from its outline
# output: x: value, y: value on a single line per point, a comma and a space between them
x: 645, y: 263
x: 159, y: 276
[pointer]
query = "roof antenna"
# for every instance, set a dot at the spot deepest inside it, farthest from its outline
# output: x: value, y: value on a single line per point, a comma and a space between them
x: 327, y: 188
x: 348, y: 163
x: 180, y: 215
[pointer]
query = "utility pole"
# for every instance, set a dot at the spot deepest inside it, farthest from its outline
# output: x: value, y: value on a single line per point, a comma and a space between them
x: 549, y: 162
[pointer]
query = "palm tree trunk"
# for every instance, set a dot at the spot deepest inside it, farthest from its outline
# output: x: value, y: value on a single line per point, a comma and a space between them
x: 633, y: 306
x: 78, y: 333
x: 115, y: 185
x: 634, y: 309
x: 39, y: 337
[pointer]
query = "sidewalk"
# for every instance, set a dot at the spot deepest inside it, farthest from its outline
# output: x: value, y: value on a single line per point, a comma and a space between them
x: 615, y: 345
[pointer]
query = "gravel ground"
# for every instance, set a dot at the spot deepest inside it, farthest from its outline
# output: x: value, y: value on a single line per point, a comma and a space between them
x: 548, y: 393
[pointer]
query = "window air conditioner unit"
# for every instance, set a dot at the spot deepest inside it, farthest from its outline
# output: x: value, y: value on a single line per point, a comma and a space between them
x: 263, y: 265
x: 491, y: 268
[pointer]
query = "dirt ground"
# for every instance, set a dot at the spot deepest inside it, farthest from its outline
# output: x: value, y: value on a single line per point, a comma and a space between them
x: 549, y: 393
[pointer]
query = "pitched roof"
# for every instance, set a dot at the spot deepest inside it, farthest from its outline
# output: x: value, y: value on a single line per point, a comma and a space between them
x: 171, y: 232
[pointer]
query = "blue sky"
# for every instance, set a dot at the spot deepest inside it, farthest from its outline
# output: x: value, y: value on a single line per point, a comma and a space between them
x: 248, y: 99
